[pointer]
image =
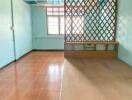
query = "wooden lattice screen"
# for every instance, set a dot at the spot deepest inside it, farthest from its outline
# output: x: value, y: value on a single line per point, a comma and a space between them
x: 90, y: 20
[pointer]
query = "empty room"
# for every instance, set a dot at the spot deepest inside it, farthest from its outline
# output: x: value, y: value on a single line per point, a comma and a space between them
x: 65, y: 50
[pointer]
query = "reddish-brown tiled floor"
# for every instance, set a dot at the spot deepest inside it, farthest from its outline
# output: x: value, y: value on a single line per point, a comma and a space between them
x: 37, y: 76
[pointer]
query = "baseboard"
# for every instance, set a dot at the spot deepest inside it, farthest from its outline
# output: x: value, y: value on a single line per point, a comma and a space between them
x: 48, y: 50
x: 15, y: 60
x: 7, y: 65
x: 91, y: 54
x: 23, y: 55
x: 124, y: 62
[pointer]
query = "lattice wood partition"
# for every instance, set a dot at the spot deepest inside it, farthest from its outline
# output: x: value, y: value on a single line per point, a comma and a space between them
x: 90, y: 20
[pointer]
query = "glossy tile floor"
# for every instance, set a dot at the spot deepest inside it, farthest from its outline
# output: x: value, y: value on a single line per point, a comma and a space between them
x: 96, y: 79
x: 37, y: 76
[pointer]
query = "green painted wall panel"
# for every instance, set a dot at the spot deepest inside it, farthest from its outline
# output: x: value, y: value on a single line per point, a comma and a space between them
x: 6, y: 40
x: 22, y: 21
x: 41, y: 39
x: 124, y: 30
x: 23, y: 35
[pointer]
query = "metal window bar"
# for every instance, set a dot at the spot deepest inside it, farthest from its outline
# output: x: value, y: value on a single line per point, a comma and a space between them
x: 58, y: 15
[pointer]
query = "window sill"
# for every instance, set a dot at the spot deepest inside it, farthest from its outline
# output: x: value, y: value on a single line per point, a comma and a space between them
x: 51, y: 36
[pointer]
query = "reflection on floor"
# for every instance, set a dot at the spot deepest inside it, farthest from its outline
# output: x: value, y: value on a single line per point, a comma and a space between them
x: 96, y: 79
x: 37, y: 76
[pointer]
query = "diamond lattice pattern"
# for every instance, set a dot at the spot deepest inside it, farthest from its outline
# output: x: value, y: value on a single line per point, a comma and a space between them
x: 90, y: 20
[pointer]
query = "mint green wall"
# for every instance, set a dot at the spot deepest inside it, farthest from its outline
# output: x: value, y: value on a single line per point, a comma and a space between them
x: 39, y: 28
x: 23, y: 35
x: 124, y: 30
x: 22, y: 21
x: 6, y: 43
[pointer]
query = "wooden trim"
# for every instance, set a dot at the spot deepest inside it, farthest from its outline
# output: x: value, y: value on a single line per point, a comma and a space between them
x: 92, y: 42
x: 91, y: 54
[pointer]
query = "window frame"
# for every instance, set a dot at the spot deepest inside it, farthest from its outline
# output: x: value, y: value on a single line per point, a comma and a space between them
x: 59, y: 21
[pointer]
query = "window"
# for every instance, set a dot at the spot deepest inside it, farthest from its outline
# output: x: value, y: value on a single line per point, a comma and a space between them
x: 55, y: 17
